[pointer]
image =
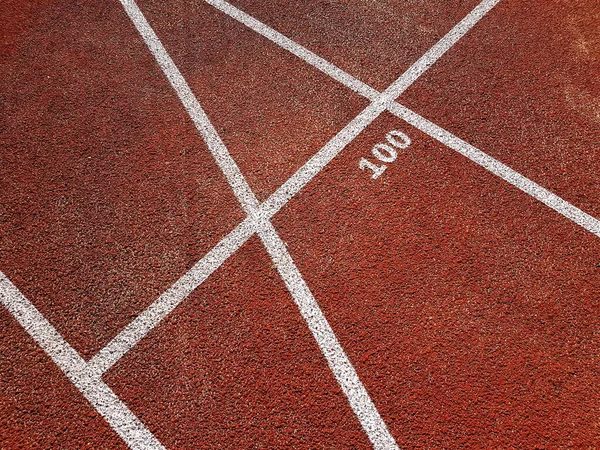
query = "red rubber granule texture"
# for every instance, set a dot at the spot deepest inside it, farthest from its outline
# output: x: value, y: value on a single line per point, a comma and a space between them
x: 108, y: 194
x: 468, y: 308
x: 39, y: 407
x: 236, y: 367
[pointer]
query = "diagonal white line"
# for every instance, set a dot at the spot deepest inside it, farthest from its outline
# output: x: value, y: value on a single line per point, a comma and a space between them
x: 407, y: 78
x: 135, y: 331
x: 102, y: 398
x: 327, y: 153
x: 291, y: 46
x: 336, y: 357
x: 338, y: 361
x: 511, y: 176
x: 195, y: 111
x: 380, y: 101
x: 168, y: 301
x: 87, y: 376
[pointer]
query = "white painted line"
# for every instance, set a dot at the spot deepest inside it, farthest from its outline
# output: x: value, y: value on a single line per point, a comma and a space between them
x: 294, y: 48
x: 195, y: 111
x: 323, y: 157
x: 102, y: 398
x: 443, y: 45
x: 322, y: 332
x: 338, y: 361
x: 550, y: 199
x: 327, y: 153
x: 407, y: 78
x: 168, y: 301
x: 380, y: 101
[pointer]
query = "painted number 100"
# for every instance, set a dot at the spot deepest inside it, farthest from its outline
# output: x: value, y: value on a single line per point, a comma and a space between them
x: 385, y: 153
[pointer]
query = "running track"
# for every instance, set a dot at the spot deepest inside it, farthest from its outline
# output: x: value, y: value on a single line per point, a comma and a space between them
x: 300, y: 224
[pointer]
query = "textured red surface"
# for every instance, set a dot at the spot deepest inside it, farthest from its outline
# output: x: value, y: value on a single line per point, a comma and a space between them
x: 39, y: 407
x: 374, y: 41
x: 272, y: 110
x: 468, y: 308
x: 236, y: 367
x: 524, y: 87
x: 107, y: 192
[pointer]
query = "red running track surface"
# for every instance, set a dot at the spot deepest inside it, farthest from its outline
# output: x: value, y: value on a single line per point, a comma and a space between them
x: 469, y: 310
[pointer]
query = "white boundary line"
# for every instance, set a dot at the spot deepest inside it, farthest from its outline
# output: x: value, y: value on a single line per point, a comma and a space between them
x: 136, y: 330
x: 190, y: 102
x: 511, y: 176
x: 282, y: 195
x: 168, y: 301
x: 337, y: 359
x: 407, y: 78
x: 102, y: 398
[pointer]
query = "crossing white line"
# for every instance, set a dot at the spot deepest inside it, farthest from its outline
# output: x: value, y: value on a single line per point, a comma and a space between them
x: 86, y: 376
x: 407, y: 78
x: 102, y: 398
x: 379, y: 101
x: 511, y: 176
x: 334, y: 354
x: 327, y: 153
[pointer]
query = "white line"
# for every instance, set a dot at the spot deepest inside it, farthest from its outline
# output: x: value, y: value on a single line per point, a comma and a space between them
x: 327, y: 153
x: 407, y: 78
x: 158, y: 310
x: 338, y: 361
x: 168, y: 301
x: 195, y: 111
x: 102, y: 398
x: 444, y: 44
x: 380, y: 101
x: 496, y: 167
x: 291, y: 46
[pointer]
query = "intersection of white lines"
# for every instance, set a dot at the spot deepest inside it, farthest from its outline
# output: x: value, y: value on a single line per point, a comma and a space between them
x: 87, y: 376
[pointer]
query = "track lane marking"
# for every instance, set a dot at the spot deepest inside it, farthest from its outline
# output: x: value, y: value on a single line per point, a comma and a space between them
x: 499, y: 169
x: 170, y: 299
x: 408, y: 77
x: 100, y: 396
x: 334, y: 354
x: 190, y: 102
x: 379, y: 101
x: 282, y: 195
x: 285, y: 192
x: 339, y: 363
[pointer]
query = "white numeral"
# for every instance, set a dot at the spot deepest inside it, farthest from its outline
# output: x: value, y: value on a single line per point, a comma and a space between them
x: 389, y: 157
x: 385, y: 153
x: 391, y: 138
